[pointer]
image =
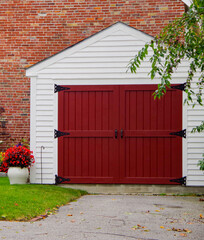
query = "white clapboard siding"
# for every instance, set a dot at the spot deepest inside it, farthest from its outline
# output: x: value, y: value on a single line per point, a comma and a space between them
x: 100, y: 60
x: 44, y: 128
x: 90, y: 59
x: 195, y: 146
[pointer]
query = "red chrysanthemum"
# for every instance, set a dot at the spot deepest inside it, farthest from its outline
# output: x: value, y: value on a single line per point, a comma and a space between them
x: 17, y: 156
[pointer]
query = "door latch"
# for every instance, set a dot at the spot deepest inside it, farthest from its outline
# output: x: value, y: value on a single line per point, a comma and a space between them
x: 116, y: 133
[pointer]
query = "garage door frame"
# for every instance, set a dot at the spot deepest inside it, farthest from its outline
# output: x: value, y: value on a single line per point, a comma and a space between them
x: 183, y: 168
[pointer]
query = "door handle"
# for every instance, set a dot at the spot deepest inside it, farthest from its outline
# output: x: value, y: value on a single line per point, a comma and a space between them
x: 121, y: 133
x: 116, y: 133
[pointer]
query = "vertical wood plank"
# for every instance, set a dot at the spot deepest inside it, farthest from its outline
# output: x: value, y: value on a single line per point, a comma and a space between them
x: 133, y: 157
x: 168, y: 157
x: 61, y: 112
x: 123, y: 123
x: 78, y: 145
x: 147, y: 157
x: 85, y: 158
x: 147, y: 109
x: 133, y: 118
x: 140, y: 126
x: 71, y: 159
x: 65, y: 166
x: 147, y: 126
x: 78, y: 111
x: 168, y: 125
x: 98, y: 151
x: 65, y: 110
x: 92, y: 126
x: 167, y: 111
x: 154, y: 113
x: 78, y: 150
x: 177, y: 143
x: 125, y: 143
x: 85, y: 110
x: 160, y: 157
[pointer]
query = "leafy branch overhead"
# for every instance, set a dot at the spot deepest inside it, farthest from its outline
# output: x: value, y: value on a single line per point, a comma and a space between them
x: 183, y: 39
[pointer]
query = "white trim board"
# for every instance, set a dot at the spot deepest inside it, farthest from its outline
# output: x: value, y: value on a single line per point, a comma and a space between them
x: 187, y: 2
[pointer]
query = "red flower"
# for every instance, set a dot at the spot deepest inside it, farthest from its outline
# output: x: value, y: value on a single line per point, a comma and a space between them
x: 17, y: 156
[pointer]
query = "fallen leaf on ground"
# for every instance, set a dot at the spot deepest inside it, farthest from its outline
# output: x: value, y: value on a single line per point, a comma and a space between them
x: 168, y: 229
x: 162, y: 208
x: 183, y: 234
x: 201, y: 199
x: 135, y: 227
x: 175, y: 221
x: 177, y: 229
x: 162, y: 227
x: 128, y: 213
x: 73, y: 221
x: 181, y: 230
x: 81, y: 213
x: 138, y: 227
x: 69, y: 215
x: 98, y: 228
x: 157, y: 210
x: 201, y: 216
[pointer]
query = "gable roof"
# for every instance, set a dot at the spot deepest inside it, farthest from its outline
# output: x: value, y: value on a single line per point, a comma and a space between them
x: 119, y: 26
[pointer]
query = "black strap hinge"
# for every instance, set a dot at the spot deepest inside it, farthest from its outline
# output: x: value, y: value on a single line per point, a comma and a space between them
x: 59, y: 179
x: 59, y: 134
x: 179, y: 180
x: 180, y: 133
x: 58, y: 88
x: 180, y: 87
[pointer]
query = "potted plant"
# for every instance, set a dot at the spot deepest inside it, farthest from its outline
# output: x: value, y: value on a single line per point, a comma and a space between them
x: 17, y: 161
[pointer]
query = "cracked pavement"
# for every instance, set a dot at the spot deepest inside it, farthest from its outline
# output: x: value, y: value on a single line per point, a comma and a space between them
x: 116, y: 217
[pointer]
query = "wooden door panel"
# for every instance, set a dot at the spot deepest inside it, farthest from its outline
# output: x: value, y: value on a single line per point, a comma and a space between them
x: 148, y: 152
x: 90, y: 114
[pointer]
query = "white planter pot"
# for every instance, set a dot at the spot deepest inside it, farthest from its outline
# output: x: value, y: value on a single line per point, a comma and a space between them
x: 18, y: 175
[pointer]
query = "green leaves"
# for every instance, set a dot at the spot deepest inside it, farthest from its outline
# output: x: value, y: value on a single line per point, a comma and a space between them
x: 135, y: 63
x: 201, y: 164
x: 199, y: 128
x: 183, y: 39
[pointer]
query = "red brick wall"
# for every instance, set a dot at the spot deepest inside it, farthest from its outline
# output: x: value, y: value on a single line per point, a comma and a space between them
x: 31, y: 30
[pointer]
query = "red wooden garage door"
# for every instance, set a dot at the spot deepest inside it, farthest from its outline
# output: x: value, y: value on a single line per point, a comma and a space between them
x: 119, y: 134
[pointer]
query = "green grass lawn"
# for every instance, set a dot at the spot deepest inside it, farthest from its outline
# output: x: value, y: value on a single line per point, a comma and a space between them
x: 24, y: 202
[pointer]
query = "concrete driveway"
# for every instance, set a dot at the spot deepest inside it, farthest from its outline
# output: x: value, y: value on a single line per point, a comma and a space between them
x: 116, y: 217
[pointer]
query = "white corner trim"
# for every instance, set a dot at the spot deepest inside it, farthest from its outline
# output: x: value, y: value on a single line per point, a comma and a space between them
x: 33, y: 125
x: 32, y: 71
x: 187, y: 2
x: 55, y: 141
x: 184, y: 140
